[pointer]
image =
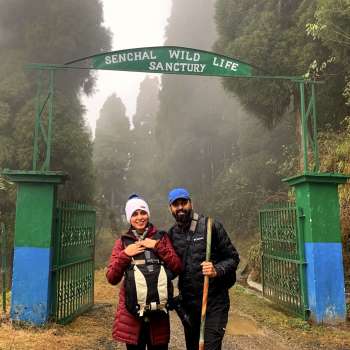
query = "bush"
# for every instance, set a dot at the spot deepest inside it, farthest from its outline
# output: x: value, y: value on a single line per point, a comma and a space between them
x: 254, y: 261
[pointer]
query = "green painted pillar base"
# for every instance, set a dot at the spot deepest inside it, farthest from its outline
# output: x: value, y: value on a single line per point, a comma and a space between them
x: 35, y: 208
x: 317, y: 196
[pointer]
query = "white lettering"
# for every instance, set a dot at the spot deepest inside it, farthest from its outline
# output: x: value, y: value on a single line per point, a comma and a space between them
x: 183, y: 66
x: 137, y: 56
x: 108, y: 60
x: 174, y: 54
x: 176, y: 67
x: 228, y: 64
x: 122, y: 57
x: 234, y: 66
x: 159, y: 66
x: 196, y: 56
x: 152, y: 65
x: 225, y: 64
x: 168, y: 66
x: 130, y: 56
x: 114, y: 59
x: 188, y: 56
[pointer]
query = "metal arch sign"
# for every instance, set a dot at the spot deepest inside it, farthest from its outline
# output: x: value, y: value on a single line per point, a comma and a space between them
x: 170, y: 60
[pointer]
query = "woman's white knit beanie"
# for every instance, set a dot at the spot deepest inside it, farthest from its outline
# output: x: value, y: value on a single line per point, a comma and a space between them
x: 134, y: 204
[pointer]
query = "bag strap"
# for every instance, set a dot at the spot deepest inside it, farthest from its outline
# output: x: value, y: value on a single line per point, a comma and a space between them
x: 126, y: 241
x: 159, y: 235
x: 194, y: 223
x: 145, y: 261
x: 191, y: 231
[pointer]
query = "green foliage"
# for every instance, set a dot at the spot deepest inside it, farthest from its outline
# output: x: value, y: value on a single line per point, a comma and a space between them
x: 254, y: 260
x: 334, y: 148
x: 271, y: 35
x: 54, y: 33
x: 331, y: 28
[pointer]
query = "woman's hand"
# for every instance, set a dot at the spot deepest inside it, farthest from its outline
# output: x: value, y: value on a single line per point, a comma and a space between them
x: 149, y: 243
x: 134, y: 249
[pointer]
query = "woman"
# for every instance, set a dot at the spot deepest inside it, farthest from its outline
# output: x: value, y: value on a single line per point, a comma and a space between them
x: 152, y: 330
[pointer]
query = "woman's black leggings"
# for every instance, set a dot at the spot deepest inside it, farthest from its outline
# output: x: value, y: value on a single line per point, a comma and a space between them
x: 145, y: 340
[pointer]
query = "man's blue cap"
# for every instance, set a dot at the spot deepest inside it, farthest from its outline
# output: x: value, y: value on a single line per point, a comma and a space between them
x: 177, y: 193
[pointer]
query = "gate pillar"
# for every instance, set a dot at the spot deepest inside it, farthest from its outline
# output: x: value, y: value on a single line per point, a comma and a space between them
x: 35, y: 203
x: 317, y: 195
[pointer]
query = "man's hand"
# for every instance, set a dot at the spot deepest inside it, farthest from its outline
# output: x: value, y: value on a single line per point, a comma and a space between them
x: 208, y: 269
x: 149, y: 243
x: 134, y: 249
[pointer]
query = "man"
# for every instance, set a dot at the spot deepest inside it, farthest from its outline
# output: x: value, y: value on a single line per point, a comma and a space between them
x: 188, y: 236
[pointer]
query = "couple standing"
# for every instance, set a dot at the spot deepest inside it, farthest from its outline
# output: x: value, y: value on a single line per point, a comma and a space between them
x: 183, y: 252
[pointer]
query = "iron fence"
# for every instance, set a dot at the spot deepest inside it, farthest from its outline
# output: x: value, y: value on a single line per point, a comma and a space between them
x: 73, y: 261
x: 283, y: 262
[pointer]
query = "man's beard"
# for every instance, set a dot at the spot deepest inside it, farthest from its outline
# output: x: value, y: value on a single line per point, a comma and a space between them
x: 183, y: 216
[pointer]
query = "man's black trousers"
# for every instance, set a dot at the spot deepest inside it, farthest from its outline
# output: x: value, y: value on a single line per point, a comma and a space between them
x: 215, y: 326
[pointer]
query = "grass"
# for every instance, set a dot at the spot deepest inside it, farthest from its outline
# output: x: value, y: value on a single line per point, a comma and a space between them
x: 268, y: 315
x: 89, y: 331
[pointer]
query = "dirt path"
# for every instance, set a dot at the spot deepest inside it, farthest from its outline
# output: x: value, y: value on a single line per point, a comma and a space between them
x: 242, y: 333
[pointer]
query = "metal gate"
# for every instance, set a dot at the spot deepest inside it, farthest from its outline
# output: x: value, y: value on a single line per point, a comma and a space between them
x: 73, y: 261
x: 283, y: 262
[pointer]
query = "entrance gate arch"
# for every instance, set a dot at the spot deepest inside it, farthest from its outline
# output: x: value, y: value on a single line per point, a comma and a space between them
x: 180, y: 61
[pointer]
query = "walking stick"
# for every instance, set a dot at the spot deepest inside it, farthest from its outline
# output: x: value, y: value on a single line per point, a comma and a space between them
x: 205, y: 288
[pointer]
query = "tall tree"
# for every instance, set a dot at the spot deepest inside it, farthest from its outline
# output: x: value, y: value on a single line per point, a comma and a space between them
x: 112, y: 154
x: 47, y: 32
x: 143, y: 143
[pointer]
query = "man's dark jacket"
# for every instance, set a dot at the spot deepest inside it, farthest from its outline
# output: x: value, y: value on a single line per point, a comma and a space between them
x: 191, y: 248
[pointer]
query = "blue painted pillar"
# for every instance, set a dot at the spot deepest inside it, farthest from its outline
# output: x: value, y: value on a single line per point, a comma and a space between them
x: 317, y: 195
x: 31, y: 279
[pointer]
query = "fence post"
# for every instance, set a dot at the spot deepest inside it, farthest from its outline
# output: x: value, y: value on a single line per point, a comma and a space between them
x: 31, y: 278
x: 3, y: 266
x: 317, y: 195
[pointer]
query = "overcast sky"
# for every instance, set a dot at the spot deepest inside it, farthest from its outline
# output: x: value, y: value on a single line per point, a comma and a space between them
x: 134, y: 23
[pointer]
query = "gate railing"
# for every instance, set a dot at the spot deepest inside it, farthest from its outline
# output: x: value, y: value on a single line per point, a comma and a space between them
x: 283, y: 262
x: 3, y: 266
x: 73, y: 261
